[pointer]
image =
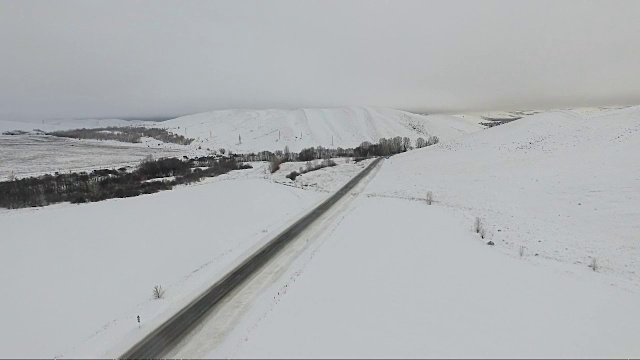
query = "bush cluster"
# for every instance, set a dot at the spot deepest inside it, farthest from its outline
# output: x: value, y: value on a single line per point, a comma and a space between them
x: 310, y: 167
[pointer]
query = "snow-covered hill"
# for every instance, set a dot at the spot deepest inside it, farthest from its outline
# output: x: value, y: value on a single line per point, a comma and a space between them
x: 257, y: 130
x: 563, y: 184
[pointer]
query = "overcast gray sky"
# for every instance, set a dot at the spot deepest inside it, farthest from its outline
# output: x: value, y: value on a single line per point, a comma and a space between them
x: 164, y: 58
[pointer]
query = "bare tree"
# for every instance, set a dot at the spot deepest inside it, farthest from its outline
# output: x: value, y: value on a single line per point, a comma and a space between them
x: 483, y: 232
x: 521, y: 251
x: 158, y: 292
x: 429, y: 197
x: 12, y: 176
x: 594, y: 264
x: 432, y: 140
x: 406, y: 144
x: 477, y: 226
x: 287, y: 153
x: 274, y: 165
x: 420, y: 143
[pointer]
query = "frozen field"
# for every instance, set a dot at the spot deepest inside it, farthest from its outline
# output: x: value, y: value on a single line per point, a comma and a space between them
x: 34, y: 155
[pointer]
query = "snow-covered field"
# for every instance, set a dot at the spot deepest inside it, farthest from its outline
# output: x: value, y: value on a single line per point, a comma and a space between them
x: 395, y: 277
x: 25, y: 155
x: 74, y: 277
x: 564, y: 185
x: 259, y: 130
x: 401, y: 279
x: 384, y: 275
x: 302, y: 128
x: 328, y: 179
x: 425, y: 287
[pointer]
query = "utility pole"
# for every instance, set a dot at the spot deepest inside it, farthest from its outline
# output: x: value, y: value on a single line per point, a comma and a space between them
x: 331, y: 140
x: 278, y: 135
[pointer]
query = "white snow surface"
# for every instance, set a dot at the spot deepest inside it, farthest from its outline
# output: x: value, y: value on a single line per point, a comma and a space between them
x: 395, y: 277
x: 564, y: 185
x: 302, y: 128
x: 385, y: 276
x: 74, y: 277
x: 401, y: 279
x: 27, y: 155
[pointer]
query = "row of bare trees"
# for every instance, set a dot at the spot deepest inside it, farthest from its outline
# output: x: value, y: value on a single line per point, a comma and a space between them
x: 131, y: 134
x: 109, y: 183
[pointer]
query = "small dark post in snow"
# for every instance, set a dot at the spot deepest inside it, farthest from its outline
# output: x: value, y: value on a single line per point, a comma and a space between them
x: 138, y: 321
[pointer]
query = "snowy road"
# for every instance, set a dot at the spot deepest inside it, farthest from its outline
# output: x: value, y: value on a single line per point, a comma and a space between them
x: 165, y: 337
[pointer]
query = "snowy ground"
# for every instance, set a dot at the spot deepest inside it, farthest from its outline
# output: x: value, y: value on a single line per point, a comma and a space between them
x: 327, y: 179
x: 391, y: 276
x: 25, y: 155
x: 383, y: 275
x: 76, y: 276
x: 401, y: 279
x: 564, y: 185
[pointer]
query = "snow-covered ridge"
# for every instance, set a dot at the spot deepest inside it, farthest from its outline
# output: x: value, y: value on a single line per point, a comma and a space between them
x: 273, y: 129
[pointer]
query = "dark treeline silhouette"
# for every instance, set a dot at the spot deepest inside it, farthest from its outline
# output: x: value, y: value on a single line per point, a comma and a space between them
x: 384, y: 147
x: 131, y: 134
x: 110, y: 183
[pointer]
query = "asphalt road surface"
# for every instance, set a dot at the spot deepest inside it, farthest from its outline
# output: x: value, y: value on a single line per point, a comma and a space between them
x: 167, y: 335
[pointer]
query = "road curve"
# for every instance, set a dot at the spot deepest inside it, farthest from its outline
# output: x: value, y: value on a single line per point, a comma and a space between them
x: 167, y: 335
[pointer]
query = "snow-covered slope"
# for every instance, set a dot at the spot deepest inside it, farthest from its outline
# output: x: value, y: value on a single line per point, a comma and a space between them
x: 565, y: 185
x: 338, y: 127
